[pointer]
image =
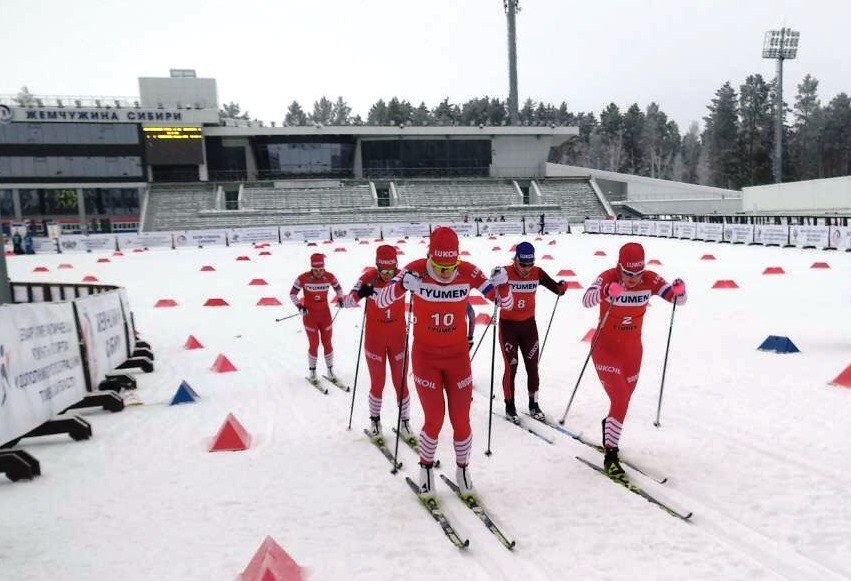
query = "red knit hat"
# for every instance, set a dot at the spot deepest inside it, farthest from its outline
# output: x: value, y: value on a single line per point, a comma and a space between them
x: 631, y: 257
x: 317, y: 260
x: 385, y: 257
x: 443, y: 246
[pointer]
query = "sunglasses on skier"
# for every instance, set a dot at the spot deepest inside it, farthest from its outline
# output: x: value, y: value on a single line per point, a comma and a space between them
x: 626, y: 272
x: 443, y: 268
x: 387, y: 271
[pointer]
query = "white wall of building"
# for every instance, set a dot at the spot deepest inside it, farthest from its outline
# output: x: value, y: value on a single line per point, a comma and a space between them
x: 519, y: 155
x: 827, y: 195
x: 178, y: 92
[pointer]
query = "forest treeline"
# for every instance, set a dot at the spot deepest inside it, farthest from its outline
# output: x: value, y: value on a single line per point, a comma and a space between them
x: 733, y: 150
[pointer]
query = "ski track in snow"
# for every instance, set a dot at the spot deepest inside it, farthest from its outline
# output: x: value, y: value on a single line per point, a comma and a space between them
x: 748, y: 439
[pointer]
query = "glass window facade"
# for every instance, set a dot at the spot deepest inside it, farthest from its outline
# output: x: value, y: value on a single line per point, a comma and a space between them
x: 69, y: 134
x: 308, y: 159
x: 7, y: 205
x: 426, y: 158
x: 71, y: 167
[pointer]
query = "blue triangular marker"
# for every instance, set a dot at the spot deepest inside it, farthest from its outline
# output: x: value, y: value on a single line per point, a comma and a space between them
x: 184, y: 394
x: 778, y: 344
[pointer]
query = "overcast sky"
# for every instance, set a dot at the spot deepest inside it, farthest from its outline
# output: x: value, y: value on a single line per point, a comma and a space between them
x: 265, y: 55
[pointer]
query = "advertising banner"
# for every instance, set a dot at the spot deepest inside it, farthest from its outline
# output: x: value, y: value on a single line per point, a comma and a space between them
x: 591, y: 226
x: 809, y: 236
x: 607, y: 226
x: 302, y: 233
x: 144, y: 240
x: 199, y: 238
x: 397, y: 230
x: 710, y: 232
x: 499, y: 228
x: 101, y: 320
x: 355, y: 231
x: 840, y: 237
x: 644, y: 228
x: 664, y: 229
x: 252, y: 235
x: 623, y: 227
x: 685, y: 230
x: 771, y: 235
x: 41, y: 371
x: 42, y: 245
x: 738, y: 233
x: 87, y: 242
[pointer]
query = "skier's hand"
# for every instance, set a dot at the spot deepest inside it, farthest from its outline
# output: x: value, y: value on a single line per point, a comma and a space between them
x: 411, y: 282
x: 562, y: 287
x: 499, y: 276
x: 301, y: 309
x: 365, y: 290
x: 614, y: 289
x: 678, y: 287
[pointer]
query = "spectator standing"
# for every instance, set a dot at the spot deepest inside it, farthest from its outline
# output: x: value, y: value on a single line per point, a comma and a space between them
x: 441, y: 285
x: 316, y: 314
x: 623, y: 294
x: 518, y: 330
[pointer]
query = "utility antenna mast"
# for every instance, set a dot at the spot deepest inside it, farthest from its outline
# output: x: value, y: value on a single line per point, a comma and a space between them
x: 512, y: 7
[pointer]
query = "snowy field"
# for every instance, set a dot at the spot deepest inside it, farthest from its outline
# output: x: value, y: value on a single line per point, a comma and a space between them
x: 755, y: 443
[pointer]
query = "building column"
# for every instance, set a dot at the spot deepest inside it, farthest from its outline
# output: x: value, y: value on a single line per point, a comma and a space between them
x: 81, y: 207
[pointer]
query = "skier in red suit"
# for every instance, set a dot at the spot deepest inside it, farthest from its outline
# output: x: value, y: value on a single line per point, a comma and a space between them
x: 518, y: 330
x: 316, y: 314
x: 441, y: 285
x: 623, y: 294
x: 384, y: 339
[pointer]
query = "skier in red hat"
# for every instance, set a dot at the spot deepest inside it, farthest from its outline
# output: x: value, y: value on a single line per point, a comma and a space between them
x: 383, y: 340
x: 315, y: 312
x: 440, y: 286
x: 623, y: 294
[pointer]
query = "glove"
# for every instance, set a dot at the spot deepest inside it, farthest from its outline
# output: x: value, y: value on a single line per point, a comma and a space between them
x: 301, y: 309
x: 562, y: 287
x: 679, y: 287
x: 469, y: 343
x: 411, y: 282
x: 349, y: 302
x: 365, y: 290
x: 499, y: 276
x: 613, y: 289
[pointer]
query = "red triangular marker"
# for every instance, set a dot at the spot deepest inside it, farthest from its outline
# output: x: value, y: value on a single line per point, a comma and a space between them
x: 843, y: 379
x: 272, y: 563
x: 192, y: 343
x: 231, y: 437
x: 223, y: 365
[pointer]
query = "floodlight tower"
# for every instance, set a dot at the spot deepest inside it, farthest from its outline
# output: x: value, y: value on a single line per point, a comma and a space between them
x: 780, y: 45
x: 512, y: 7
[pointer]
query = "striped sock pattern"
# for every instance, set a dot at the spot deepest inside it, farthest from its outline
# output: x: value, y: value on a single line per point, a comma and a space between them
x: 311, y: 361
x: 463, y: 449
x: 611, y: 432
x: 329, y: 360
x: 428, y: 448
x: 406, y: 409
x: 374, y: 406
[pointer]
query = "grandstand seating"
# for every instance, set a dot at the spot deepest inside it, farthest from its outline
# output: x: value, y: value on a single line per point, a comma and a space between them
x: 170, y: 208
x: 575, y: 197
x: 458, y: 193
x: 353, y: 201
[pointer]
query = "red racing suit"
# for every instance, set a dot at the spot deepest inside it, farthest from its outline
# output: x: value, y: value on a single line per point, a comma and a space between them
x: 440, y: 355
x: 317, y: 321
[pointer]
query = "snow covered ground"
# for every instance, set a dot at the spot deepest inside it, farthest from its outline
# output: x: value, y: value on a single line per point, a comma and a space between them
x: 755, y: 443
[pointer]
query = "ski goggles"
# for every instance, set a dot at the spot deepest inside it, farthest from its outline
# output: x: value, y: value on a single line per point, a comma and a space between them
x: 387, y: 271
x: 526, y: 264
x: 443, y: 268
x: 626, y: 272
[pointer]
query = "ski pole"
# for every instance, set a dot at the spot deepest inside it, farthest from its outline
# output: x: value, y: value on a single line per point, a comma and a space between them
x: 584, y: 365
x: 547, y: 334
x: 493, y: 362
x: 485, y: 332
x: 287, y: 317
x: 665, y: 364
x: 402, y: 387
x: 357, y: 366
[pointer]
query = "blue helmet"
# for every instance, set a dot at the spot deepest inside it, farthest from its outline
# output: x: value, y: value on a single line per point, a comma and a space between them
x: 525, y: 253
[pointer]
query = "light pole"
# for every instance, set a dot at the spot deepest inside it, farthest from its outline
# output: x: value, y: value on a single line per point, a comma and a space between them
x: 780, y: 45
x: 512, y: 7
